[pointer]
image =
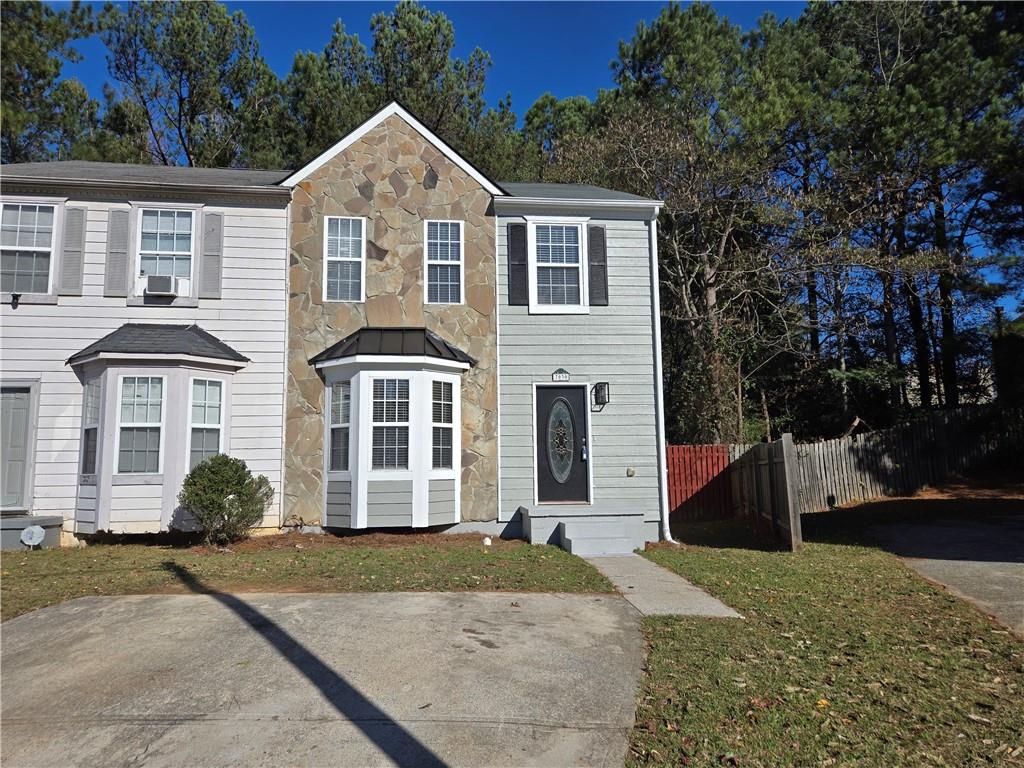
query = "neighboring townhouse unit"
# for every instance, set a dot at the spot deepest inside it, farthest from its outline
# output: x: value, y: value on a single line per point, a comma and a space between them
x: 142, y: 328
x: 394, y: 339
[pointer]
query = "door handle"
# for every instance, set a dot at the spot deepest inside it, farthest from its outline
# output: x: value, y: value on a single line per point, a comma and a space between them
x: 584, y: 455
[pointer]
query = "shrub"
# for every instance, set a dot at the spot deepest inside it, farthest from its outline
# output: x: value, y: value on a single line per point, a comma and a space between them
x: 224, y: 498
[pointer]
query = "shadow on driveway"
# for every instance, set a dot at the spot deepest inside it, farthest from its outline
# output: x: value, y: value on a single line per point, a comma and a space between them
x: 394, y: 740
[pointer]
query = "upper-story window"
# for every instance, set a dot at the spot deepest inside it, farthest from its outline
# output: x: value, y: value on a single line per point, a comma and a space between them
x: 166, y: 244
x: 26, y: 248
x: 344, y: 256
x: 444, y: 262
x: 559, y: 264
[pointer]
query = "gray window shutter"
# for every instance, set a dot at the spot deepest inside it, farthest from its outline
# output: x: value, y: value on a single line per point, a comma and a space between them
x: 518, y: 269
x: 72, y: 256
x: 597, y: 254
x: 117, y: 280
x: 210, y: 266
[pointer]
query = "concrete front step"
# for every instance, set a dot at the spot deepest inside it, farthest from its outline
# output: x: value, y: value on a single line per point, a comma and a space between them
x: 599, y: 545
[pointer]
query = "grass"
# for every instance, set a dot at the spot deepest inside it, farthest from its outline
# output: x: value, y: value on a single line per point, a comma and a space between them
x: 293, y: 563
x: 845, y: 657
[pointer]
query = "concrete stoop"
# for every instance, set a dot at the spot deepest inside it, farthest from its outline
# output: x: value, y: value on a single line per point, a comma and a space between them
x: 585, y: 530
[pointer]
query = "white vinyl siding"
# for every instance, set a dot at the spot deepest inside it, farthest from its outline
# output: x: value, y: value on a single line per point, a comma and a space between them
x: 166, y: 242
x: 441, y: 422
x: 344, y: 259
x: 390, y: 424
x: 444, y: 243
x: 140, y: 424
x: 341, y: 414
x: 90, y: 426
x: 207, y: 419
x: 26, y: 248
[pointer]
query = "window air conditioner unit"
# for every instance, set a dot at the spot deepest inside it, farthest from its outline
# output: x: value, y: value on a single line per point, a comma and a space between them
x: 161, y: 285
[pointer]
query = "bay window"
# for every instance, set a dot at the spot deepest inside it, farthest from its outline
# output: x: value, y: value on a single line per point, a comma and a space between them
x: 90, y: 426
x: 390, y: 424
x: 206, y: 415
x: 441, y: 422
x: 140, y: 424
x: 341, y: 410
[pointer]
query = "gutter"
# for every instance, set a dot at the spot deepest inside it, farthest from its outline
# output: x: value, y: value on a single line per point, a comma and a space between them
x: 511, y: 206
x: 281, y: 193
x: 659, y: 388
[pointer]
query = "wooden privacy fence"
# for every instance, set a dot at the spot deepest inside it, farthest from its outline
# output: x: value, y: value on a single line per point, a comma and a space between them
x: 775, y: 482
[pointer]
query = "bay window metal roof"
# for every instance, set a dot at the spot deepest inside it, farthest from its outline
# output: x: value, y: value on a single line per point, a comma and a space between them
x: 418, y: 342
x: 138, y: 339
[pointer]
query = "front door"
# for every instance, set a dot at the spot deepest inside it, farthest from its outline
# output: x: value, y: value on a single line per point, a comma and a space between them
x: 15, y: 404
x: 562, y: 449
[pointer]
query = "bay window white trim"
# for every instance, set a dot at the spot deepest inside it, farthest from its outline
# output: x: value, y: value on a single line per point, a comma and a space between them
x: 120, y: 424
x: 192, y: 424
x: 578, y: 222
x: 329, y: 259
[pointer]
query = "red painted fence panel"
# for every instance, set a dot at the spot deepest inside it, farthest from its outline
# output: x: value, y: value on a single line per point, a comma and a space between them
x: 698, y: 482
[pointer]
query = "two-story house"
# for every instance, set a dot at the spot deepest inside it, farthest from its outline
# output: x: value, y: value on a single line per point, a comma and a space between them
x: 460, y: 353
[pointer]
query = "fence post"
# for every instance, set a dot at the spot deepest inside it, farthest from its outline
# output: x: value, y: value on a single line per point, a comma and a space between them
x: 791, y: 480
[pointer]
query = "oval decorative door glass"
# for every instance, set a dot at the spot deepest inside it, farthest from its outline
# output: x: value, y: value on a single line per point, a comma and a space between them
x: 561, y: 440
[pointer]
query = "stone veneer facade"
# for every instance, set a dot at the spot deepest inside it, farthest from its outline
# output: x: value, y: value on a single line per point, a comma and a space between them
x: 396, y: 179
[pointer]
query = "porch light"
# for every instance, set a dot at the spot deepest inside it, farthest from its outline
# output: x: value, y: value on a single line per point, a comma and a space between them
x: 602, y: 393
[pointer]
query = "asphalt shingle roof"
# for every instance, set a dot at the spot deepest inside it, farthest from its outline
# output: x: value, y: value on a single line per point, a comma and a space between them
x: 160, y: 339
x: 124, y: 173
x: 394, y: 341
x: 565, y: 191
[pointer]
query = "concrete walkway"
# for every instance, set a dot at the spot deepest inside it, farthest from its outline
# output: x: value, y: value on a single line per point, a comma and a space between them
x: 262, y: 681
x: 657, y: 591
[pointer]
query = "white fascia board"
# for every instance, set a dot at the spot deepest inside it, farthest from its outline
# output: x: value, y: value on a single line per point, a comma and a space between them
x: 400, y: 362
x: 146, y: 357
x: 392, y: 109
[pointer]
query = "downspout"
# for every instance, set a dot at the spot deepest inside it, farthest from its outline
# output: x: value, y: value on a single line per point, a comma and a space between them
x: 287, y: 340
x: 659, y: 389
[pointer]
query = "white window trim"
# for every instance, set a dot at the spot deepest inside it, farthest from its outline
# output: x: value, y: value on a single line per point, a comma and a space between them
x: 427, y: 261
x: 398, y: 472
x: 362, y: 261
x: 136, y: 212
x: 98, y: 381
x: 580, y: 222
x: 163, y: 424
x: 442, y: 424
x: 191, y: 424
x: 339, y: 474
x: 56, y: 243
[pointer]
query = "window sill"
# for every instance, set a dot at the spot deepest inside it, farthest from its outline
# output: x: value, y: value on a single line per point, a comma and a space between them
x: 339, y: 474
x: 553, y: 309
x: 29, y: 298
x: 89, y: 479
x: 137, y: 479
x: 154, y: 301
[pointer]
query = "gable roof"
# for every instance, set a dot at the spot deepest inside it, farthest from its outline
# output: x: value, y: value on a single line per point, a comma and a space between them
x: 394, y: 108
x: 417, y: 342
x: 159, y: 340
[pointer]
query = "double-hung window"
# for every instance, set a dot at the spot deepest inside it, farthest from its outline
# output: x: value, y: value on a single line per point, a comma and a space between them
x: 90, y: 426
x: 26, y: 248
x: 559, y: 265
x: 140, y: 424
x: 441, y: 418
x: 344, y: 255
x: 166, y: 243
x: 341, y: 409
x: 444, y: 262
x: 207, y: 414
x: 390, y: 424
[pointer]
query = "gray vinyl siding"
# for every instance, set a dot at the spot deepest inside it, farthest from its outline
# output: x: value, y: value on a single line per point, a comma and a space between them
x: 441, y: 502
x: 85, y: 509
x: 613, y: 343
x: 250, y: 316
x: 339, y: 503
x: 389, y: 503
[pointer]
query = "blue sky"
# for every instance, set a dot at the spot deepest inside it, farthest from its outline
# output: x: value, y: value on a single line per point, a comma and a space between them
x: 562, y: 47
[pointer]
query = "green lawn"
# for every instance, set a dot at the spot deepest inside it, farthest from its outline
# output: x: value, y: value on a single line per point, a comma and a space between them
x: 30, y: 580
x: 845, y: 658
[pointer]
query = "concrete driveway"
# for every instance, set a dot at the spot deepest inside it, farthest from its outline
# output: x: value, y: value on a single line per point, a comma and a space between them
x: 321, y: 680
x: 980, y: 560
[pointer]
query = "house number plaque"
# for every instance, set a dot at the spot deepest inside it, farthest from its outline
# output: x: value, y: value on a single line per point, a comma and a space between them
x: 560, y: 375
